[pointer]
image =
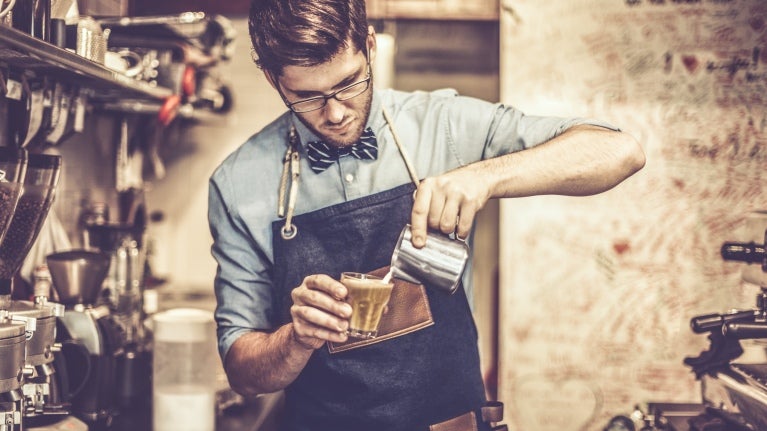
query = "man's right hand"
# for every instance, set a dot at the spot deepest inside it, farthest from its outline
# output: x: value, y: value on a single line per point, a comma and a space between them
x: 319, y: 311
x: 261, y: 362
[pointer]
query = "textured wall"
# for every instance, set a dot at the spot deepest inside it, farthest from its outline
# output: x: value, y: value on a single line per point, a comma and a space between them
x: 597, y: 293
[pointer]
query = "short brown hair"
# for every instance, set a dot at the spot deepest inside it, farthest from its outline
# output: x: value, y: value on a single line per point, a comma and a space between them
x: 304, y: 32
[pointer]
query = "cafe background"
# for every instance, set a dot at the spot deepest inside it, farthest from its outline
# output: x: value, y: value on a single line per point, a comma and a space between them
x: 583, y: 304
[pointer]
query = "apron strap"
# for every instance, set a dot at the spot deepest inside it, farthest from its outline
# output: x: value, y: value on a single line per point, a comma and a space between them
x: 290, y: 168
x: 405, y: 157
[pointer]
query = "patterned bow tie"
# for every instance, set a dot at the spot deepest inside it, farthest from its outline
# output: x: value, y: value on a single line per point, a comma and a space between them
x: 321, y: 155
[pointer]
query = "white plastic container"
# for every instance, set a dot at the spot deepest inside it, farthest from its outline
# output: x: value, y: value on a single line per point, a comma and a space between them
x: 184, y: 370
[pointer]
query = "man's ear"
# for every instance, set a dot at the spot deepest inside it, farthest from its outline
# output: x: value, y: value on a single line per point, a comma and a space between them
x: 371, y: 41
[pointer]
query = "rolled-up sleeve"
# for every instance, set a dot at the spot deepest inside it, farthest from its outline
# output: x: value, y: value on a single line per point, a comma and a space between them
x: 483, y: 130
x: 242, y: 284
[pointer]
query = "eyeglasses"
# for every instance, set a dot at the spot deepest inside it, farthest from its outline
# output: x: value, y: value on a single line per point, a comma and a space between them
x: 319, y: 102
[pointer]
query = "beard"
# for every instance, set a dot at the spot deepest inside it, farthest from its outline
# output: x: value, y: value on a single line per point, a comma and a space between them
x: 354, y: 135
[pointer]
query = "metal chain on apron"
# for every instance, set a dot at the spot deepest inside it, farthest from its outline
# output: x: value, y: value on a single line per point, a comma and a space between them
x: 290, y: 167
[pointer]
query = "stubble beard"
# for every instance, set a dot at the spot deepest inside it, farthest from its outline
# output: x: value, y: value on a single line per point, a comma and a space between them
x: 368, y: 95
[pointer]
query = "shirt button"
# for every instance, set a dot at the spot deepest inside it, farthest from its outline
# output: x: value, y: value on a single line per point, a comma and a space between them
x: 349, y: 178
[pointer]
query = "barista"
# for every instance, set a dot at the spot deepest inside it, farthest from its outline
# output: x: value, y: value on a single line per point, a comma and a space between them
x: 302, y: 201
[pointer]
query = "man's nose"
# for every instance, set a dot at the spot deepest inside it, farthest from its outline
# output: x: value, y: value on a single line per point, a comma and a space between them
x: 334, y: 110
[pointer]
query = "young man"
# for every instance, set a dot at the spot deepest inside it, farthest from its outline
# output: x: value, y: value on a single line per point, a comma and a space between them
x: 288, y: 214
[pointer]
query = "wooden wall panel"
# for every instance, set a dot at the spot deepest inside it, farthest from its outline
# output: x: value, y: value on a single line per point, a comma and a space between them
x: 597, y: 293
x: 169, y: 7
x: 377, y: 9
x: 434, y: 9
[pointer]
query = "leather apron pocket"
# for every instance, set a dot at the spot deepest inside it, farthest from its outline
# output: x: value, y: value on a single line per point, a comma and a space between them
x: 491, y: 413
x: 466, y: 422
x: 408, y: 311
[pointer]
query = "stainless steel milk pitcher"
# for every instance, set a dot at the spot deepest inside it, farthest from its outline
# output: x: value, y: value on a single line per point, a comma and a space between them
x: 439, y: 264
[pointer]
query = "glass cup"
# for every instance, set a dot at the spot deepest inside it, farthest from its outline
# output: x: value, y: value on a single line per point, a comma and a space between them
x: 368, y: 296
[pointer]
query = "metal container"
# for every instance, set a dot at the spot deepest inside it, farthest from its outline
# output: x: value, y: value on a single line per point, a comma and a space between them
x: 439, y: 264
x: 41, y: 339
x: 78, y: 274
x: 12, y: 343
x: 91, y: 40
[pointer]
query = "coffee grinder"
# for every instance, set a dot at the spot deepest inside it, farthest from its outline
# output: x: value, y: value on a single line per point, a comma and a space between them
x: 90, y: 339
x: 13, y: 164
x: 12, y: 345
x: 42, y: 395
x: 13, y: 168
x: 35, y: 200
x: 39, y: 395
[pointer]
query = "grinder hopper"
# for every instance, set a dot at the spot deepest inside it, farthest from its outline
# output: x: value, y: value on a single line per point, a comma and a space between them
x: 77, y: 275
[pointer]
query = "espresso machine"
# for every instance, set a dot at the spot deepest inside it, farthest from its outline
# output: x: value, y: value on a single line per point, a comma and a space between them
x: 90, y: 339
x: 733, y: 370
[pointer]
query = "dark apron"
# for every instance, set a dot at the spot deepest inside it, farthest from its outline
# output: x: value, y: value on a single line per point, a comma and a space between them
x: 405, y: 383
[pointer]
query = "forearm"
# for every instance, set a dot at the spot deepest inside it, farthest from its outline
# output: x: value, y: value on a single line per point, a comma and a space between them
x: 584, y: 160
x: 261, y: 362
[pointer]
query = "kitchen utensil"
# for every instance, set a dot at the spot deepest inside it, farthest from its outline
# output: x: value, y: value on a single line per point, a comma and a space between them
x: 59, y: 8
x: 439, y: 264
x: 35, y: 107
x: 33, y: 17
x: 91, y: 40
x: 6, y: 18
x: 59, y: 115
x: 78, y: 274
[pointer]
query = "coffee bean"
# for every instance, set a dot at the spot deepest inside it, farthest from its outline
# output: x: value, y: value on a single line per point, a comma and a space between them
x: 9, y: 196
x: 25, y: 225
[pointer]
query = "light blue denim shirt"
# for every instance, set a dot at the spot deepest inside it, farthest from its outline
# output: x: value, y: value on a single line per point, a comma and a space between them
x: 439, y: 130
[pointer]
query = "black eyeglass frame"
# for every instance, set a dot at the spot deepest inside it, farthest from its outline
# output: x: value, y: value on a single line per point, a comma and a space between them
x: 326, y: 97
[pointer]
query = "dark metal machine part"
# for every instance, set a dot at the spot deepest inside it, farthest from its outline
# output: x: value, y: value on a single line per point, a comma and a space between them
x: 734, y: 394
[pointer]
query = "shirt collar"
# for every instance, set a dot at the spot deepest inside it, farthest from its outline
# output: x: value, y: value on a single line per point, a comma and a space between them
x: 375, y: 121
